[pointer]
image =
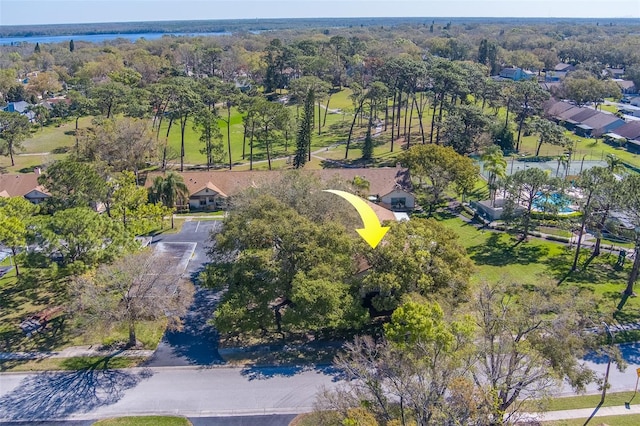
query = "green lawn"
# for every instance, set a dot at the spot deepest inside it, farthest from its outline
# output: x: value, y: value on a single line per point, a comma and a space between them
x: 38, y: 289
x: 497, y: 256
x: 626, y: 420
x: 55, y: 140
x: 588, y: 401
x: 144, y: 421
x: 70, y: 364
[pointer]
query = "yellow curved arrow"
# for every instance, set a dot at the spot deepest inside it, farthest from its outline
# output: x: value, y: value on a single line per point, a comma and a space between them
x: 372, y: 232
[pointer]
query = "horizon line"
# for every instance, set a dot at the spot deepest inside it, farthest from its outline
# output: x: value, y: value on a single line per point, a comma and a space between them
x: 328, y: 17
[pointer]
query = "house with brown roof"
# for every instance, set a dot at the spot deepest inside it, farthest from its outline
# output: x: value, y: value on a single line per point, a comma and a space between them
x: 23, y: 185
x: 389, y: 188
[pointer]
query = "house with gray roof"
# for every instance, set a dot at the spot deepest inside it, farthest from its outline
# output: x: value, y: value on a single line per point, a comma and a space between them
x: 20, y: 107
x: 598, y: 124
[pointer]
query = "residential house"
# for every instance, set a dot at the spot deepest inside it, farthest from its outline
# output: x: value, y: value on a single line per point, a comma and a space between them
x: 558, y: 73
x: 598, y: 124
x: 553, y: 107
x: 626, y: 86
x: 633, y: 111
x: 20, y: 107
x: 576, y: 119
x: 516, y: 74
x: 562, y: 67
x: 613, y: 72
x: 624, y: 134
x: 23, y: 185
x: 389, y: 188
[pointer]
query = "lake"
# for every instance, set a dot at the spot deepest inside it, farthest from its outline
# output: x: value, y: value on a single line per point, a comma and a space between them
x: 99, y: 38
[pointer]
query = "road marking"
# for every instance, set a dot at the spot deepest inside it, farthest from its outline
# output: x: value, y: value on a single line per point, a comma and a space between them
x: 197, y: 226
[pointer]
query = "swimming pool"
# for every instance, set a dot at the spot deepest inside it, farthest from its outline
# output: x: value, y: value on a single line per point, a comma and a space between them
x: 554, y: 202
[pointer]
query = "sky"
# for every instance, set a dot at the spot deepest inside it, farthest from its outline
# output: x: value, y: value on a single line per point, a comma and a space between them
x: 27, y: 12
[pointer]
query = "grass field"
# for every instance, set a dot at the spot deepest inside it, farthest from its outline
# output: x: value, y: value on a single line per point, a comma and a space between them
x: 57, y: 140
x: 144, y: 421
x: 498, y: 257
x: 614, y: 399
x: 626, y: 420
x: 70, y: 364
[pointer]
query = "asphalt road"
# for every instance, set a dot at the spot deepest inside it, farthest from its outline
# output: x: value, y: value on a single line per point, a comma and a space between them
x: 191, y: 392
x: 197, y: 342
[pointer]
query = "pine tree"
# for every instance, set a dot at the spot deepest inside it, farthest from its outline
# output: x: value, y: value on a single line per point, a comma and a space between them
x: 367, y: 147
x: 72, y: 47
x: 303, y: 140
x: 37, y: 48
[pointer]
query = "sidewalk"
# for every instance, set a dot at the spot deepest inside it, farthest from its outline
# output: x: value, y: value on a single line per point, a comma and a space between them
x: 75, y: 351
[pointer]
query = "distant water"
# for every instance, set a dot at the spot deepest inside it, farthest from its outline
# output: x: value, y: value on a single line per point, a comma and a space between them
x: 99, y: 38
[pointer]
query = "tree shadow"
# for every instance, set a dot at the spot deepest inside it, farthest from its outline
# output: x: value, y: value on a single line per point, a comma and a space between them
x: 53, y: 395
x: 599, y: 270
x: 197, y: 342
x: 501, y: 251
x: 265, y: 373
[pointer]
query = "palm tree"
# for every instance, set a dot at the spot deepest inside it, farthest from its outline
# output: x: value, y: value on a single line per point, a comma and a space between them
x: 493, y: 162
x: 170, y: 190
x: 614, y: 164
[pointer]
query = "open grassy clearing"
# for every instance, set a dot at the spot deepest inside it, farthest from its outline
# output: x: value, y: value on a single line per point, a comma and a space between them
x: 144, y: 421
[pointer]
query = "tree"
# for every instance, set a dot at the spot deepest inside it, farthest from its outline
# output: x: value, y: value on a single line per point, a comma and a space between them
x: 171, y: 191
x: 593, y: 182
x: 72, y: 46
x: 583, y: 88
x: 284, y: 272
x: 122, y: 143
x: 109, y: 97
x: 305, y: 130
x: 411, y: 377
x: 419, y: 256
x: 184, y: 102
x: 15, y: 213
x: 462, y: 127
x: 530, y: 338
x: 80, y: 236
x: 128, y: 203
x: 495, y: 165
x: 40, y: 114
x: 43, y: 83
x: 37, y: 48
x: 548, y: 132
x: 135, y: 288
x: 367, y: 145
x: 14, y: 128
x: 528, y: 98
x: 524, y: 191
x: 270, y: 119
x: 631, y: 206
x: 440, y: 167
x: 207, y: 122
x: 73, y: 184
x: 81, y: 106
